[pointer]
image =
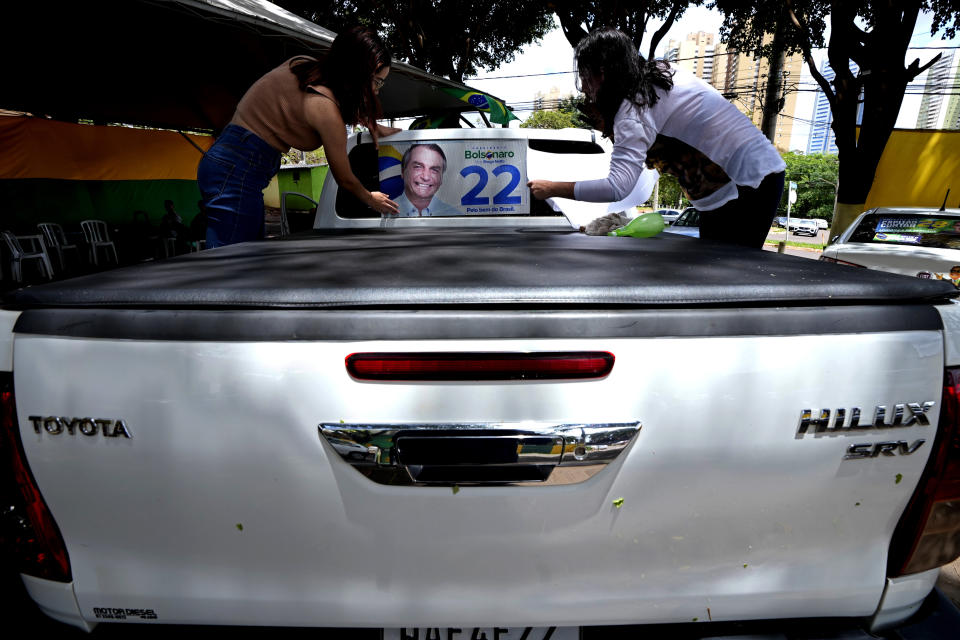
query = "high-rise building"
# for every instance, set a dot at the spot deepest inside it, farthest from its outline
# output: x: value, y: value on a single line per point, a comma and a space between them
x: 940, y: 106
x: 822, y: 138
x: 740, y: 78
x: 695, y: 54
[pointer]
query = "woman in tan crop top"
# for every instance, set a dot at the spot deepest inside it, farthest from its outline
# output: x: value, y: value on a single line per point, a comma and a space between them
x: 304, y: 103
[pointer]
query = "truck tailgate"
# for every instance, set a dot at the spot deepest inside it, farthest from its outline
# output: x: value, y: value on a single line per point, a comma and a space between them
x: 226, y: 505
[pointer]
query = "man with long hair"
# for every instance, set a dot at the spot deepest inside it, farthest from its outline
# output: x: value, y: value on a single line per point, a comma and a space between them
x: 674, y: 122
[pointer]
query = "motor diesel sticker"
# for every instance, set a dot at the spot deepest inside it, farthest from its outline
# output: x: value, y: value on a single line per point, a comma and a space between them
x: 115, y: 613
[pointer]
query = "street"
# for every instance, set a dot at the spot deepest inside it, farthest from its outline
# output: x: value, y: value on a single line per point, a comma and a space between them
x: 821, y: 238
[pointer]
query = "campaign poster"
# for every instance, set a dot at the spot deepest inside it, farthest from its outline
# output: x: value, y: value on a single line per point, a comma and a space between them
x: 934, y: 232
x: 455, y: 178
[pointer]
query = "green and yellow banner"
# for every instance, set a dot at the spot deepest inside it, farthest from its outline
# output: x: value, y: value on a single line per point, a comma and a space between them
x: 53, y: 171
x: 916, y: 169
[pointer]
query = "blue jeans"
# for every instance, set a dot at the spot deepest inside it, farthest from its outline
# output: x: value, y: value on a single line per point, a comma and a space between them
x: 232, y: 176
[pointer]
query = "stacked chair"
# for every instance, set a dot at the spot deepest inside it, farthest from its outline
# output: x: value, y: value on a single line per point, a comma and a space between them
x: 18, y: 255
x: 97, y: 236
x: 56, y: 241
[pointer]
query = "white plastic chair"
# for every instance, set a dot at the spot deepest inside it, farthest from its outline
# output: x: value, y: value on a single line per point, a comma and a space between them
x: 97, y: 236
x: 18, y: 255
x: 56, y: 240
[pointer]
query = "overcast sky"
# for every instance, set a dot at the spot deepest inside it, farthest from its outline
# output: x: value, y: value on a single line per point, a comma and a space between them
x: 555, y: 56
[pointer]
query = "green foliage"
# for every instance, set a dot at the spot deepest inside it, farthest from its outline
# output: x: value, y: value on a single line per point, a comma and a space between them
x: 573, y: 105
x: 294, y: 156
x: 816, y: 178
x: 567, y: 115
x: 670, y: 194
x: 875, y: 36
x: 815, y: 175
x: 451, y: 38
x: 580, y: 17
x: 745, y: 24
x: 549, y: 120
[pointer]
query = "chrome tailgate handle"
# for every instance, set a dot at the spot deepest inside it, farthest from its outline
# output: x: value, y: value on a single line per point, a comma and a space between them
x: 478, y: 453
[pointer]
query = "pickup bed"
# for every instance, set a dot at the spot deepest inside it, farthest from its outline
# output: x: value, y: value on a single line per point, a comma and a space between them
x: 491, y: 422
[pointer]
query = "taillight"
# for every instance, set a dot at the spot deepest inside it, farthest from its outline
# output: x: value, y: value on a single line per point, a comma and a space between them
x: 479, y: 366
x: 836, y: 261
x: 928, y: 534
x: 27, y: 528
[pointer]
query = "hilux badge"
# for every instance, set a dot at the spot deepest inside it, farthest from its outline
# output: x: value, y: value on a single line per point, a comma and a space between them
x: 847, y: 422
x: 55, y: 425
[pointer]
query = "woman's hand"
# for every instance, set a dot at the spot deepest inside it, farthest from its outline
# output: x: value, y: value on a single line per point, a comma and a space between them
x: 543, y: 189
x: 383, y: 205
x: 383, y: 131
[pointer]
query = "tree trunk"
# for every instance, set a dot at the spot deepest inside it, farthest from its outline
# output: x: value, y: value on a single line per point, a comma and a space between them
x: 884, y: 80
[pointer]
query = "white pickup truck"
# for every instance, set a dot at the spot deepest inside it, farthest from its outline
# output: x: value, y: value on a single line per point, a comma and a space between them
x: 483, y: 425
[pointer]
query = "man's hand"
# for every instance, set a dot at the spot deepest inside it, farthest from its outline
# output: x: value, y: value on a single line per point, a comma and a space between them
x: 543, y: 189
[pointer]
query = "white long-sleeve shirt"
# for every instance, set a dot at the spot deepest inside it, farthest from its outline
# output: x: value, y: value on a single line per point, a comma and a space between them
x: 694, y: 113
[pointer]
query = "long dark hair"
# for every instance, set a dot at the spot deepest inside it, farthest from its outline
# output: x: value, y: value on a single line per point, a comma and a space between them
x: 347, y: 70
x: 626, y: 75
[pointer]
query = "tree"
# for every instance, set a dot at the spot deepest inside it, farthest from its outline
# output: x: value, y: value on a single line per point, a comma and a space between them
x: 875, y: 36
x: 578, y: 18
x: 816, y: 178
x: 670, y: 194
x: 568, y: 114
x: 450, y: 38
x: 553, y: 119
x: 295, y: 156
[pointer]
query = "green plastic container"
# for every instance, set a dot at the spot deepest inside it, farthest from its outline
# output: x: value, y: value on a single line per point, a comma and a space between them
x: 645, y: 225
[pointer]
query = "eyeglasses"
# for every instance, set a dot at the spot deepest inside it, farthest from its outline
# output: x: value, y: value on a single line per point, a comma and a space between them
x: 378, y: 83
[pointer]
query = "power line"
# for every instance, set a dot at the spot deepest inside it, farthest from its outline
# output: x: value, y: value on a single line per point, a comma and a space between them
x: 702, y: 57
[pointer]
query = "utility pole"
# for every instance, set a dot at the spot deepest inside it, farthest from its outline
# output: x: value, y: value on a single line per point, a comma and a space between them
x: 771, y: 101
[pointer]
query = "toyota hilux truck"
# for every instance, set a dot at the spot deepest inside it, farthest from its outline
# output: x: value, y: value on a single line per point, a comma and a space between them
x: 483, y: 425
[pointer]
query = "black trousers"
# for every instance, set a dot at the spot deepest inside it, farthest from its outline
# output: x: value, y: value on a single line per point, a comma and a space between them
x: 746, y: 220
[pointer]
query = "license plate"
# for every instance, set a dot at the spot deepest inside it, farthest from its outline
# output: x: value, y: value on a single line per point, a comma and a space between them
x: 482, y: 633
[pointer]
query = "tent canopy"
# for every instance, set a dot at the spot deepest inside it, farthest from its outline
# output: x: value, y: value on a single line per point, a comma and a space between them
x: 178, y: 64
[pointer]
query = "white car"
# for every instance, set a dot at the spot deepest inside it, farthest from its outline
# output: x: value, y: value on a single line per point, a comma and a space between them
x: 669, y: 215
x: 919, y: 242
x: 688, y: 224
x: 804, y: 226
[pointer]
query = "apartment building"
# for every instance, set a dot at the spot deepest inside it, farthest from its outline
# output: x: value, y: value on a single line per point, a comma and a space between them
x: 822, y: 138
x: 940, y: 106
x: 740, y: 78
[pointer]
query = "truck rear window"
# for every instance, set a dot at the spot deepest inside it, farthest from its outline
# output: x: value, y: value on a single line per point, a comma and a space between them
x: 919, y: 229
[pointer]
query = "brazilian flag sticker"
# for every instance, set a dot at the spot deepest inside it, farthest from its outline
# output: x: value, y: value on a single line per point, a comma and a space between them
x: 391, y: 182
x: 498, y: 110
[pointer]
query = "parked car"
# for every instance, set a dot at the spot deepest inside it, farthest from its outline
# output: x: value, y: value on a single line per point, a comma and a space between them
x: 688, y: 224
x: 780, y: 221
x: 911, y: 241
x: 669, y: 215
x: 804, y: 226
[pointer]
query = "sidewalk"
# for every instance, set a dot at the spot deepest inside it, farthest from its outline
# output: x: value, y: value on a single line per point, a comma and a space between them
x: 813, y: 254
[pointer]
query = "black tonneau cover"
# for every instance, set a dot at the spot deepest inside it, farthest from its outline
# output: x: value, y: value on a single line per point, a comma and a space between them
x: 520, y: 268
